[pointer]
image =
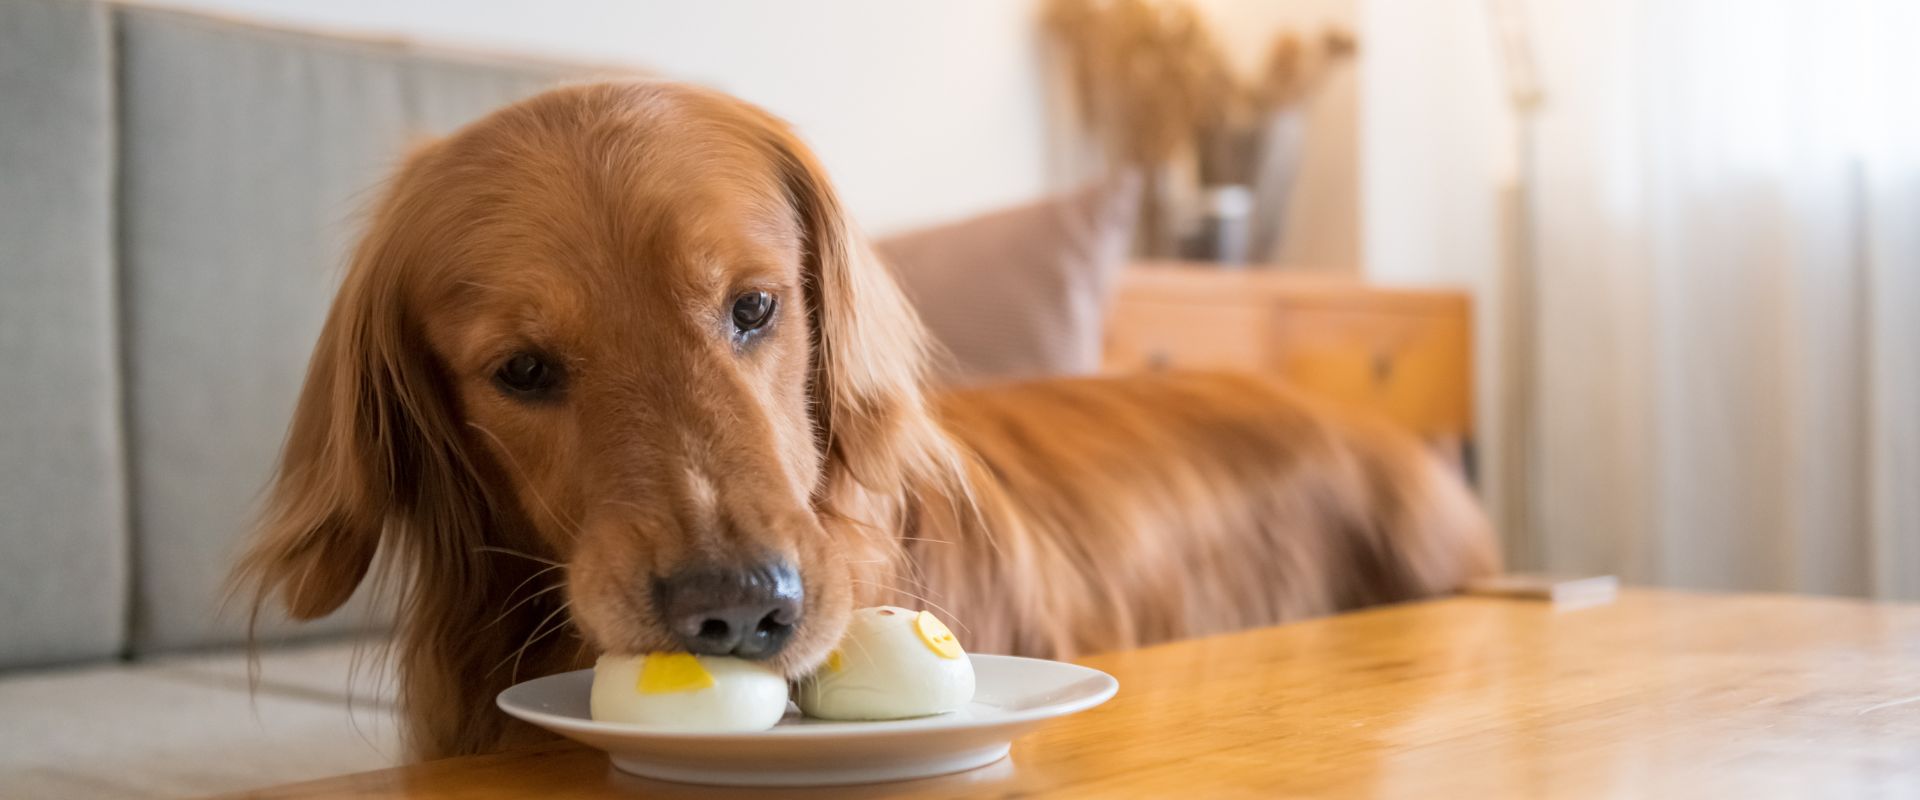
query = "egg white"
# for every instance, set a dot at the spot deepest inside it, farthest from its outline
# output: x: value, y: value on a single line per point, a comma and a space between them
x: 884, y: 670
x: 745, y: 696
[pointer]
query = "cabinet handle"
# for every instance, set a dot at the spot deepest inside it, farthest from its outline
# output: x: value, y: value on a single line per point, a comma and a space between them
x: 1382, y: 368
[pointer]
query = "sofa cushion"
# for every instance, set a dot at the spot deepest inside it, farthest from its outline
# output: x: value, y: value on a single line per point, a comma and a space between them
x: 1020, y: 293
x: 63, y: 540
x: 172, y: 730
x: 356, y: 673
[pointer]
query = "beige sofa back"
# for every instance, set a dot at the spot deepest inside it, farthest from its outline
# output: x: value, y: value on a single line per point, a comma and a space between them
x: 180, y: 195
x: 63, y: 543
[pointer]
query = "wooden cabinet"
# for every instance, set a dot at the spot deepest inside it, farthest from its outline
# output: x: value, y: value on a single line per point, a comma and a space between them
x: 1405, y: 354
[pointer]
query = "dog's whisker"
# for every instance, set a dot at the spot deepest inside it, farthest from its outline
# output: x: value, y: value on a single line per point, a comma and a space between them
x: 532, y: 639
x: 560, y: 626
x: 861, y: 645
x: 911, y: 577
x: 892, y: 588
x: 487, y: 548
x: 530, y: 578
x: 922, y: 598
x: 528, y: 599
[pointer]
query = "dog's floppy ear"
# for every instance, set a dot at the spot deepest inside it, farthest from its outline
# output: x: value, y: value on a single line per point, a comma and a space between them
x: 370, y: 435
x: 869, y: 349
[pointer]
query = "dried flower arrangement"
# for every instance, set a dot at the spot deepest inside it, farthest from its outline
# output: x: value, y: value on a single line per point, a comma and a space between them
x: 1154, y: 88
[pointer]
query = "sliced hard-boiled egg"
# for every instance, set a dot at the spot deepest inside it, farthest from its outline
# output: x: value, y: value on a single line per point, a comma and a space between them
x: 893, y: 663
x: 684, y: 692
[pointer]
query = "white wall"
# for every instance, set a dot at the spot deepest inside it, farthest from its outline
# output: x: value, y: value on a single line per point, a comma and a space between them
x: 1438, y: 164
x: 923, y: 110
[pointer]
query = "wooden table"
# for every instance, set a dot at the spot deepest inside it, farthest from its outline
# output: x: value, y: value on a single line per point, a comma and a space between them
x: 1662, y: 694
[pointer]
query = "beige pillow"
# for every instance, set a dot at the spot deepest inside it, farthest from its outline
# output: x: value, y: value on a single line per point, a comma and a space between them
x: 1020, y: 293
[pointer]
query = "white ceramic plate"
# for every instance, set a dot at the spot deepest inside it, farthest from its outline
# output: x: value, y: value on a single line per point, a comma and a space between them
x: 1011, y: 696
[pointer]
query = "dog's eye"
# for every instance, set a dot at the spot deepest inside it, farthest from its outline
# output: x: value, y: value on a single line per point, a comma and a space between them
x: 751, y: 311
x: 528, y: 374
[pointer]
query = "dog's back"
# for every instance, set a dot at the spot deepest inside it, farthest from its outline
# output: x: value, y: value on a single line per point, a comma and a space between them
x: 1128, y: 511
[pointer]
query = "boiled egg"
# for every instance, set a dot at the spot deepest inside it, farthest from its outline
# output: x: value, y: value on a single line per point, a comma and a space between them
x: 893, y: 664
x: 685, y: 692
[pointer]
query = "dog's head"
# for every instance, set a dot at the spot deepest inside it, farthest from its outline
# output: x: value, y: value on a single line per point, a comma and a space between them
x: 624, y: 327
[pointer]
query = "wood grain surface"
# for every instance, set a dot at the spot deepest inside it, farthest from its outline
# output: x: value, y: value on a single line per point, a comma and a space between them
x: 1660, y: 694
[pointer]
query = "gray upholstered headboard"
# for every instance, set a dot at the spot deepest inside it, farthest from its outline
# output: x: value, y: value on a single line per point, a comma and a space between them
x: 177, y: 195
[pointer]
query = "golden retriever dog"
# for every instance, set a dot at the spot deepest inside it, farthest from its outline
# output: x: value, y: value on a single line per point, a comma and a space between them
x: 612, y: 371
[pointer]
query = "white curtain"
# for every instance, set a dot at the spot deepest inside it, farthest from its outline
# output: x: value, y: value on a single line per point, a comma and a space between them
x: 1726, y: 227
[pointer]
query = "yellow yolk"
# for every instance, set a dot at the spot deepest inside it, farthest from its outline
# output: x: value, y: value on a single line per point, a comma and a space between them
x: 835, y: 660
x: 673, y: 672
x: 934, y: 634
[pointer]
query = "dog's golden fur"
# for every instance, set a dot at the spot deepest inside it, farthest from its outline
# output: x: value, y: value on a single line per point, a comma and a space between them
x: 606, y: 228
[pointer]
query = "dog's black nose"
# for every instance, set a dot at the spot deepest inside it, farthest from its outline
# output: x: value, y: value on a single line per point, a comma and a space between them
x: 748, y: 613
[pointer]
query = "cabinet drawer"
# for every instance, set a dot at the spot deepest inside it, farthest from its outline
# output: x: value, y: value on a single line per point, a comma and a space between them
x: 1149, y: 334
x: 1401, y: 354
x: 1408, y: 367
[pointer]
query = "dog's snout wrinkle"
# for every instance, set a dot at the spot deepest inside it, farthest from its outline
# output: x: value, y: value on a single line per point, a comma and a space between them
x: 699, y: 511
